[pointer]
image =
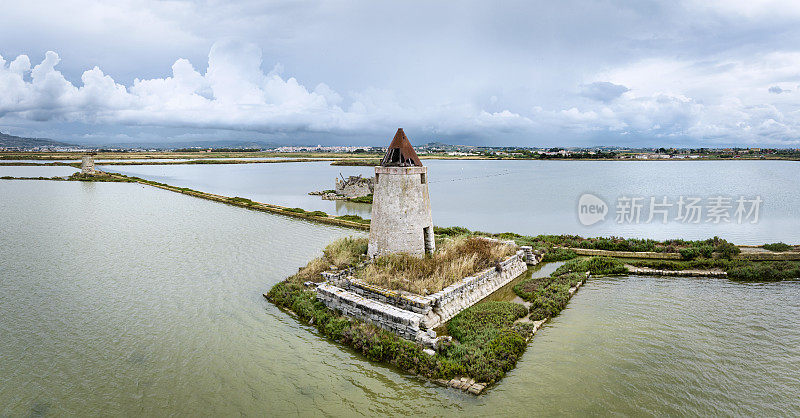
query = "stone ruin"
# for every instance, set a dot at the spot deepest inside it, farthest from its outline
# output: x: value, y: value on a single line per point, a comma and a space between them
x: 401, y: 223
x: 401, y: 208
x: 354, y: 186
x: 412, y: 316
x: 87, y: 164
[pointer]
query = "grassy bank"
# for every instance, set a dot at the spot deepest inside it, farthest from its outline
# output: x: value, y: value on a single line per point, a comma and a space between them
x: 488, y: 338
x: 487, y: 344
x: 549, y: 295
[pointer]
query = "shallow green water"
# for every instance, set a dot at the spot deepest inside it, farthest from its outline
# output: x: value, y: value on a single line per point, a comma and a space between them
x: 117, y: 299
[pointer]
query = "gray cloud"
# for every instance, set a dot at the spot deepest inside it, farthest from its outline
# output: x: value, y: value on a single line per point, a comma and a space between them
x: 603, y: 91
x: 778, y: 90
x: 350, y: 71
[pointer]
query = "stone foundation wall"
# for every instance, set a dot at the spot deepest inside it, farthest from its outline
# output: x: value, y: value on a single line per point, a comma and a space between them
x: 414, y: 316
x: 406, y: 301
x: 402, y: 322
x: 461, y: 295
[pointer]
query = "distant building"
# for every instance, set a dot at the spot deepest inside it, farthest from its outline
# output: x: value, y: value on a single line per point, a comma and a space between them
x: 401, y: 208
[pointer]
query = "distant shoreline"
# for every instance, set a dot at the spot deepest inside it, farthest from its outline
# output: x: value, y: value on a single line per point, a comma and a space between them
x: 338, y: 159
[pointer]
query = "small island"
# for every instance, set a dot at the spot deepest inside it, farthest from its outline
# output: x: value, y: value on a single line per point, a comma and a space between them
x: 427, y: 299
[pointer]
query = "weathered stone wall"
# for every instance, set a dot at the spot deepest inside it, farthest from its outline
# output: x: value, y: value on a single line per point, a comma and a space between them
x: 402, y: 300
x: 401, y: 212
x: 401, y: 322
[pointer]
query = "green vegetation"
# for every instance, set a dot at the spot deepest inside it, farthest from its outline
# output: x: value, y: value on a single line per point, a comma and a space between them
x: 765, y: 271
x: 777, y: 247
x: 700, y: 263
x: 451, y: 231
x: 453, y: 260
x: 362, y: 199
x: 369, y: 162
x: 241, y: 201
x: 32, y: 178
x: 737, y: 269
x: 530, y: 287
x: 549, y: 295
x: 488, y: 344
x: 294, y: 210
x: 318, y: 213
x: 353, y: 218
x: 559, y: 254
x: 104, y: 178
x: 556, y: 246
x: 597, y: 266
x: 552, y: 299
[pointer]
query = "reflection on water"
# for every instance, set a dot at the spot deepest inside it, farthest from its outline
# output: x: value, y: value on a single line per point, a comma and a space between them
x: 33, y: 171
x: 363, y: 210
x: 121, y: 299
x: 531, y: 197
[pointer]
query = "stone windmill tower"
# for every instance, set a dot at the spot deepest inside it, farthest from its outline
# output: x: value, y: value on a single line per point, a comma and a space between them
x: 87, y: 164
x: 401, y: 209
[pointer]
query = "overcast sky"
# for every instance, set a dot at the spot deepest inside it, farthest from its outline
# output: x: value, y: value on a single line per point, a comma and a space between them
x: 536, y: 73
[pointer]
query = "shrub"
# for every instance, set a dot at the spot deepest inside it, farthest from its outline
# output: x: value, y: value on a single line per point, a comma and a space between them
x: 480, y: 322
x: 777, y: 246
x: 452, y: 231
x: 550, y: 301
x: 765, y: 272
x: 241, y: 200
x: 689, y: 253
x: 318, y: 213
x: 594, y: 265
x: 362, y: 199
x: 528, y: 288
x: 295, y: 210
x: 353, y: 218
x: 727, y: 250
x: 559, y: 254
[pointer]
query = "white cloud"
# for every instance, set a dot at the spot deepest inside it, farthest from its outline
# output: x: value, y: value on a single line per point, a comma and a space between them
x: 234, y: 93
x: 564, y: 72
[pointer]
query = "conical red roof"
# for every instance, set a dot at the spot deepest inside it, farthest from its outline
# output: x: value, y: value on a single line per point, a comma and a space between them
x: 400, y: 152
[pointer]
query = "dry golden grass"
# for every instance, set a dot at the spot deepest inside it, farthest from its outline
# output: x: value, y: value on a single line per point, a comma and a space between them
x: 341, y: 253
x: 454, y: 259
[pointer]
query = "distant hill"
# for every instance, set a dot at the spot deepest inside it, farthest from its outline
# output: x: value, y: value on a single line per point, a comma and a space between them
x: 11, y: 141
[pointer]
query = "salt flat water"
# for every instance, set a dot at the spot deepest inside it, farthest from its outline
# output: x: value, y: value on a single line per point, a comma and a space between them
x: 121, y: 299
x: 534, y: 197
x: 33, y: 171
